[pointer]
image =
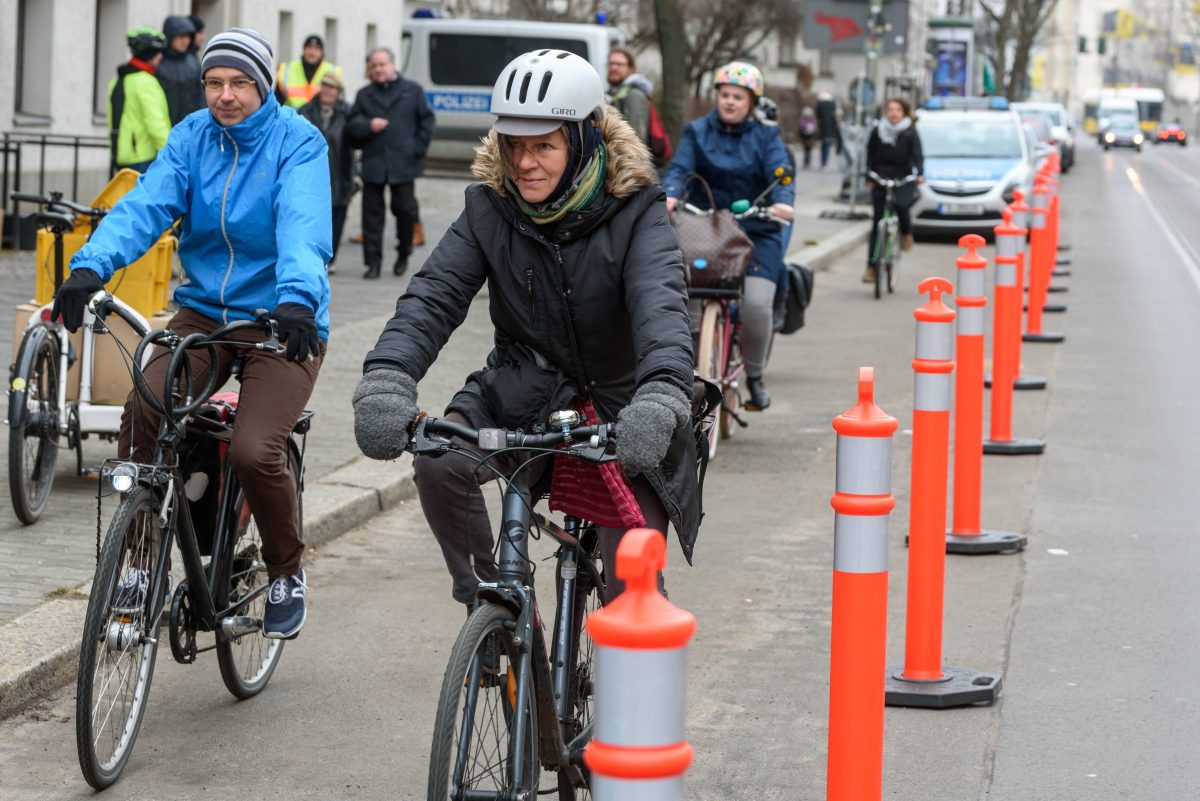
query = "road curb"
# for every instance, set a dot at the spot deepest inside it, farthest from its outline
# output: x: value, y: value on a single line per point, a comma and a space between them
x: 39, y: 650
x: 822, y: 255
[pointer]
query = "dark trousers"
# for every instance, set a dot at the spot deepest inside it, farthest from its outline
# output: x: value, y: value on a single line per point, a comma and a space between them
x: 339, y: 224
x: 904, y: 201
x: 273, y: 394
x: 449, y: 488
x: 404, y: 209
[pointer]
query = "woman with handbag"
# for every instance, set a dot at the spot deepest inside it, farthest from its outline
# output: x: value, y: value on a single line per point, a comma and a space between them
x: 586, y: 292
x: 737, y: 155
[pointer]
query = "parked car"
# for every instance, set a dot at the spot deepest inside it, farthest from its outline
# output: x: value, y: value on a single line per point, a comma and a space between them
x: 1172, y: 132
x: 1062, y: 128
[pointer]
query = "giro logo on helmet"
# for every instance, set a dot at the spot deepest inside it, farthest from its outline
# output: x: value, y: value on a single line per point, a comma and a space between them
x: 569, y: 111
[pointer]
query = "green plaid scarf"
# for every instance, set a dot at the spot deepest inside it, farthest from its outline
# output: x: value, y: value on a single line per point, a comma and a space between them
x: 581, y: 193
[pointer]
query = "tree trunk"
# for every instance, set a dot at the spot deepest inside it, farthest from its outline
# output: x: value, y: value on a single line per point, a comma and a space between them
x: 672, y: 44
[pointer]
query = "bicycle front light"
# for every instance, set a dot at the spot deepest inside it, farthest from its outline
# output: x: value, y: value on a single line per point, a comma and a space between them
x: 122, y: 477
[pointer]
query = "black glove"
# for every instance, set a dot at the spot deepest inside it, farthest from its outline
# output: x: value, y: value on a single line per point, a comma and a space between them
x: 385, y: 404
x: 297, y: 330
x: 73, y: 296
x: 645, y: 427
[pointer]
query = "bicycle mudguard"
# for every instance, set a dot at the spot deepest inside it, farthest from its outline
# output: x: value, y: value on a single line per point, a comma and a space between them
x: 20, y: 371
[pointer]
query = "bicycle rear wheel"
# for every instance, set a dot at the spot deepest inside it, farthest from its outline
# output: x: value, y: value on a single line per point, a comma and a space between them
x: 116, y: 656
x: 472, y: 744
x: 731, y: 401
x: 589, y: 597
x: 248, y: 660
x: 33, y: 444
x: 710, y: 358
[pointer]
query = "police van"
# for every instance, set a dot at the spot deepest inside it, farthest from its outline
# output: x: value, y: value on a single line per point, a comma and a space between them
x: 457, y: 62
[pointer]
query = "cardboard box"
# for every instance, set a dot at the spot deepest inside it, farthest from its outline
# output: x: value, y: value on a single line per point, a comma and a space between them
x: 111, y: 382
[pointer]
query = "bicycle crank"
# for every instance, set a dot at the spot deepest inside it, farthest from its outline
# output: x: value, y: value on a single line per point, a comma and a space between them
x: 181, y: 631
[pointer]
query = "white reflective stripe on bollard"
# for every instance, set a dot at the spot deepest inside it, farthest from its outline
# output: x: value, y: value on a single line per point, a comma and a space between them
x: 972, y: 283
x: 608, y: 789
x: 970, y: 321
x: 931, y: 392
x: 864, y: 465
x: 640, y: 696
x: 935, y: 341
x: 1006, y: 246
x: 1006, y: 274
x: 860, y: 543
x: 1039, y: 219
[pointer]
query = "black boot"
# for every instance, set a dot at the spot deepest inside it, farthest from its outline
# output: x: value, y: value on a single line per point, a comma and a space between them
x: 760, y: 399
x: 372, y: 271
x: 400, y: 266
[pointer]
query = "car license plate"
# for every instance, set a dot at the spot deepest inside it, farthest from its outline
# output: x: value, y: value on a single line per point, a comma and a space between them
x: 960, y: 209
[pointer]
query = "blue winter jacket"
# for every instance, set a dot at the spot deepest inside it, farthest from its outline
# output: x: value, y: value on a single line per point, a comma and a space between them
x: 737, y: 161
x: 257, y: 222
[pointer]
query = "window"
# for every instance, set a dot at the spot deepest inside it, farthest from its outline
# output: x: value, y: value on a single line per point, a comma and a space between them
x: 787, y: 51
x: 285, y: 41
x: 110, y: 50
x: 35, y: 20
x: 373, y: 37
x: 331, y: 40
x: 457, y: 59
x: 405, y: 51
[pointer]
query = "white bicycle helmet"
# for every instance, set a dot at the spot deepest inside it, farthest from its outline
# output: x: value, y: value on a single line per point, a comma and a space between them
x: 539, y: 91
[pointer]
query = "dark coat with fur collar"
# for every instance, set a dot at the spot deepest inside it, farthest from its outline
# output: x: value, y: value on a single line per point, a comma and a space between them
x: 603, y: 304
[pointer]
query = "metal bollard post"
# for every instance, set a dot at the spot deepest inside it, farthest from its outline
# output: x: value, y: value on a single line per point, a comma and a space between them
x: 1006, y: 318
x: 862, y: 504
x: 924, y: 682
x: 638, y: 751
x: 965, y: 535
x: 1040, y: 256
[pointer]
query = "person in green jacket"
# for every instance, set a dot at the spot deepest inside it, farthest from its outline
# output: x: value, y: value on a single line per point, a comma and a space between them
x: 138, y: 116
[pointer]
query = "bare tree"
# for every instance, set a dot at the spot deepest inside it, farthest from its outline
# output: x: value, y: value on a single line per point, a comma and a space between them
x: 719, y: 31
x: 672, y: 44
x: 1016, y: 26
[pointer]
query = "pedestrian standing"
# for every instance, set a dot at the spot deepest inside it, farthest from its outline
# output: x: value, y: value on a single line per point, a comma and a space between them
x: 629, y: 91
x: 300, y: 79
x: 828, y: 128
x: 199, y: 38
x: 179, y: 72
x: 138, y: 118
x: 329, y: 112
x: 393, y: 125
x: 807, y: 131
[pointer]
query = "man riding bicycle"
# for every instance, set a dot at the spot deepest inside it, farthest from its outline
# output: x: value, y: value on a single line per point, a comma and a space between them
x: 737, y: 154
x: 251, y: 181
x: 586, y: 293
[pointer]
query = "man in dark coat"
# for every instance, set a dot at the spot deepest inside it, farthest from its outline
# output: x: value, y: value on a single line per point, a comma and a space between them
x: 828, y: 128
x: 393, y: 125
x: 329, y: 112
x: 179, y: 72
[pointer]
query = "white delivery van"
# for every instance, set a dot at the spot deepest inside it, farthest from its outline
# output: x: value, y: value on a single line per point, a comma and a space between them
x: 458, y: 60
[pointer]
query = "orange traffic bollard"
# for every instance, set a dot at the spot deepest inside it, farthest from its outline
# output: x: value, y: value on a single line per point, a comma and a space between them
x: 1053, y: 220
x: 638, y: 749
x: 965, y: 535
x: 858, y: 644
x: 1005, y: 334
x: 923, y: 681
x: 1040, y: 257
x: 1020, y: 218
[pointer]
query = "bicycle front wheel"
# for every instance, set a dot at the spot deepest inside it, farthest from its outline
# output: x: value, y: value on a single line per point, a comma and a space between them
x: 894, y: 252
x: 581, y: 689
x: 33, y: 444
x: 248, y: 660
x: 116, y: 656
x: 710, y: 360
x: 472, y: 733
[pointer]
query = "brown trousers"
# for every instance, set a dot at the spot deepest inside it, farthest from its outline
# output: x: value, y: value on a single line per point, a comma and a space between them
x: 273, y: 394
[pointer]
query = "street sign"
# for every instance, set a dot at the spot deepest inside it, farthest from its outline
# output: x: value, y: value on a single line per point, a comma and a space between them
x: 868, y: 95
x: 840, y: 26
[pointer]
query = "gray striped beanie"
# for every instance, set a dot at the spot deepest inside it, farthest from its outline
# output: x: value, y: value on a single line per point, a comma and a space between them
x: 245, y: 50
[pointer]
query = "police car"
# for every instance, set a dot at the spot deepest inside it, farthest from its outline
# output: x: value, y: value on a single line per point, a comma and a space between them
x: 976, y: 155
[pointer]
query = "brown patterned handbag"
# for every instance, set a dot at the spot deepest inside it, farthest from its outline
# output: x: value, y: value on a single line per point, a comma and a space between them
x: 716, y: 251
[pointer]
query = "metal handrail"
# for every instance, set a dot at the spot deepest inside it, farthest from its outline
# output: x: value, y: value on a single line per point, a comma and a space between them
x: 11, y: 145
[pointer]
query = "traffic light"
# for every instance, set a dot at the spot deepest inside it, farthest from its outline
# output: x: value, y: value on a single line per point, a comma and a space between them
x: 1082, y: 44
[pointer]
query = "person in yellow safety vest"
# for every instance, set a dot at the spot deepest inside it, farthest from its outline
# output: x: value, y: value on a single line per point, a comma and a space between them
x: 300, y: 79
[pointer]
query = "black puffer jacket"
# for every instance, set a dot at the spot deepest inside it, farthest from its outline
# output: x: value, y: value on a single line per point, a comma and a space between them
x: 341, y: 154
x: 604, y: 304
x: 395, y: 155
x: 897, y: 160
x: 179, y: 73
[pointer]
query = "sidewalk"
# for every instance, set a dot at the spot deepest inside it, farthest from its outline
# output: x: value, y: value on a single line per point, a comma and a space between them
x: 45, y: 569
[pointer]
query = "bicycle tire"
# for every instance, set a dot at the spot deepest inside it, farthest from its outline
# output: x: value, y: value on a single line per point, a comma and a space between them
x: 731, y: 401
x: 32, y: 454
x: 881, y: 246
x: 458, y: 708
x: 581, y: 677
x: 247, y: 661
x: 104, y: 629
x: 710, y: 355
x: 895, y: 252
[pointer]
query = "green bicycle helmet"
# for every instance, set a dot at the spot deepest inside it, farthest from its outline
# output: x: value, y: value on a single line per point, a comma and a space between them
x: 146, y: 42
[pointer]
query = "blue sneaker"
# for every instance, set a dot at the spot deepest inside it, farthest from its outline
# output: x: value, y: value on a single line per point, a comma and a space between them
x: 131, y: 592
x: 286, y: 609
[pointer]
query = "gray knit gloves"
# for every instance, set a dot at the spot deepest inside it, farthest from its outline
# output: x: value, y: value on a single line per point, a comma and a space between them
x: 385, y: 404
x: 645, y: 427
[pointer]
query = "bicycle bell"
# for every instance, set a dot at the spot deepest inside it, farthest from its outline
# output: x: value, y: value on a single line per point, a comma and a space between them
x: 564, y: 419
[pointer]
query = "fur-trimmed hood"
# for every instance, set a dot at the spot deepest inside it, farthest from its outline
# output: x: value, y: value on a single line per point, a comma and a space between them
x: 629, y: 166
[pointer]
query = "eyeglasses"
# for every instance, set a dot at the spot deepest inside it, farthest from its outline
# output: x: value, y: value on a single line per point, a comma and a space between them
x: 615, y: 63
x: 238, y: 85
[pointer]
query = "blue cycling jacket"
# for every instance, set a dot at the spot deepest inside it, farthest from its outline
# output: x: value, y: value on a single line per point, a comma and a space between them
x: 257, y: 222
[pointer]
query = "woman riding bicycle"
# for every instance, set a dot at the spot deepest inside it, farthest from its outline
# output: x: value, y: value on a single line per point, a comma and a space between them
x: 587, y: 296
x: 737, y: 154
x: 893, y: 152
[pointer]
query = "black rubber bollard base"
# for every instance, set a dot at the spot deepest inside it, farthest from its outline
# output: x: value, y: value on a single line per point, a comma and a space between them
x: 1020, y: 382
x: 985, y: 542
x: 1045, y: 336
x: 1063, y: 248
x: 1058, y: 288
x: 1018, y: 446
x: 957, y: 687
x: 1063, y: 261
x: 1051, y: 308
x: 1061, y: 273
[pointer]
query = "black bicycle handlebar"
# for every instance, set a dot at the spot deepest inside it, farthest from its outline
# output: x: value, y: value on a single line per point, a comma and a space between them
x: 56, y: 199
x: 891, y: 183
x: 591, y: 441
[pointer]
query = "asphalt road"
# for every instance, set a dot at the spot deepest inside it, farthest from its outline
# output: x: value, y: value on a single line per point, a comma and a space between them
x: 1093, y: 627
